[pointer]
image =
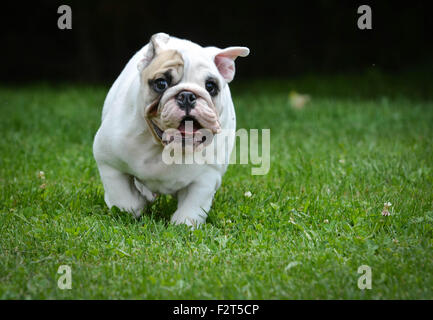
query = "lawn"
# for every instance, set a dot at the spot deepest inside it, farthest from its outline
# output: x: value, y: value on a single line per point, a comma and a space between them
x: 310, y: 223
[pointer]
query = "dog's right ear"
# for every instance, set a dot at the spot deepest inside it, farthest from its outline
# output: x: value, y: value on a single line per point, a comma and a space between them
x: 225, y: 59
x: 155, y: 45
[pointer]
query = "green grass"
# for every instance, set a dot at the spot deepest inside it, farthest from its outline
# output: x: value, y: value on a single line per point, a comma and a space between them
x: 311, y: 222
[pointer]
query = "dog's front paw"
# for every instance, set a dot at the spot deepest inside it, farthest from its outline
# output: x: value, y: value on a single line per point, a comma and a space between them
x: 192, y: 220
x: 133, y: 207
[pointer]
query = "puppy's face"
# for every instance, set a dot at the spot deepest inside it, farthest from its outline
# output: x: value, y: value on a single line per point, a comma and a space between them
x: 180, y: 97
x: 182, y: 87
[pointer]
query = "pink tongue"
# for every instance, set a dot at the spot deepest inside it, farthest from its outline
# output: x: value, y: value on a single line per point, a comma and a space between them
x: 191, y: 125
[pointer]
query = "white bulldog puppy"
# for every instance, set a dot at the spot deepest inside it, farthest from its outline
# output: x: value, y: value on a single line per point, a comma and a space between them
x: 170, y: 84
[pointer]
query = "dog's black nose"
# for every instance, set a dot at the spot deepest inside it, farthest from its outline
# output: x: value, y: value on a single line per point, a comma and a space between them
x: 186, y: 100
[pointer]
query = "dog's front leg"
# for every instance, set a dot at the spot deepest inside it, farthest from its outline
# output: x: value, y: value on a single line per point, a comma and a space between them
x: 195, y: 200
x: 120, y: 191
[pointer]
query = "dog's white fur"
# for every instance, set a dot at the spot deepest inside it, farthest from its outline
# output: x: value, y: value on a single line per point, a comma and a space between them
x: 129, y: 157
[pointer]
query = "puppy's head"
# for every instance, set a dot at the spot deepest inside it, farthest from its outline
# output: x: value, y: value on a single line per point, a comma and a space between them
x: 182, y: 85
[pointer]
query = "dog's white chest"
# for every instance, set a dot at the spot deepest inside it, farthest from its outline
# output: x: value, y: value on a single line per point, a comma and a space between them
x: 170, y: 178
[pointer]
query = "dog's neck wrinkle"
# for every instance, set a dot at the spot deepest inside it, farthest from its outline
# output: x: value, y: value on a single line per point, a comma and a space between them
x: 143, y: 123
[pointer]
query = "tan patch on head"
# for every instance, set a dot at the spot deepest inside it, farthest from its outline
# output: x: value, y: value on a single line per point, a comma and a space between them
x: 167, y: 60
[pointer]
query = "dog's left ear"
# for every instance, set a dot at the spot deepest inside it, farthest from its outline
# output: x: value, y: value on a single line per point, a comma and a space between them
x: 225, y: 60
x: 156, y: 45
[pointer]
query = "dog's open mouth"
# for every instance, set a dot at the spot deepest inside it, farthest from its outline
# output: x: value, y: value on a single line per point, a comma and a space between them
x: 189, y: 132
x: 189, y: 126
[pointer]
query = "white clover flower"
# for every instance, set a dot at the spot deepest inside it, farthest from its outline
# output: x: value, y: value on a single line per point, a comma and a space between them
x: 41, y: 175
x: 248, y: 194
x: 385, y: 213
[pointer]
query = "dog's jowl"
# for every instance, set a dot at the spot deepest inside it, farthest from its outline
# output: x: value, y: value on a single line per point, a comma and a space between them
x: 172, y: 91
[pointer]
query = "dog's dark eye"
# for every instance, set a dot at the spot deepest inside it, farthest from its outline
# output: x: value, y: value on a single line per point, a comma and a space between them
x: 211, y: 87
x: 160, y: 85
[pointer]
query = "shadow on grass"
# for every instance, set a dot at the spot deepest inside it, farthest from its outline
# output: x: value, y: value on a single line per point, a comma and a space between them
x: 159, y: 211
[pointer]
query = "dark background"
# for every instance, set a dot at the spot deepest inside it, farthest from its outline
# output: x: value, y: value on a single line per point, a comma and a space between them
x: 285, y: 38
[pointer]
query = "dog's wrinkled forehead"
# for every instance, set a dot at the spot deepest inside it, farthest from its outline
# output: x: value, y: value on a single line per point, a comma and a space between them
x: 198, y: 67
x: 186, y: 61
x: 168, y: 64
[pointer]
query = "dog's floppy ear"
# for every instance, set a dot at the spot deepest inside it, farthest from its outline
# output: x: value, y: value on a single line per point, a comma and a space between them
x: 156, y: 44
x: 225, y: 60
